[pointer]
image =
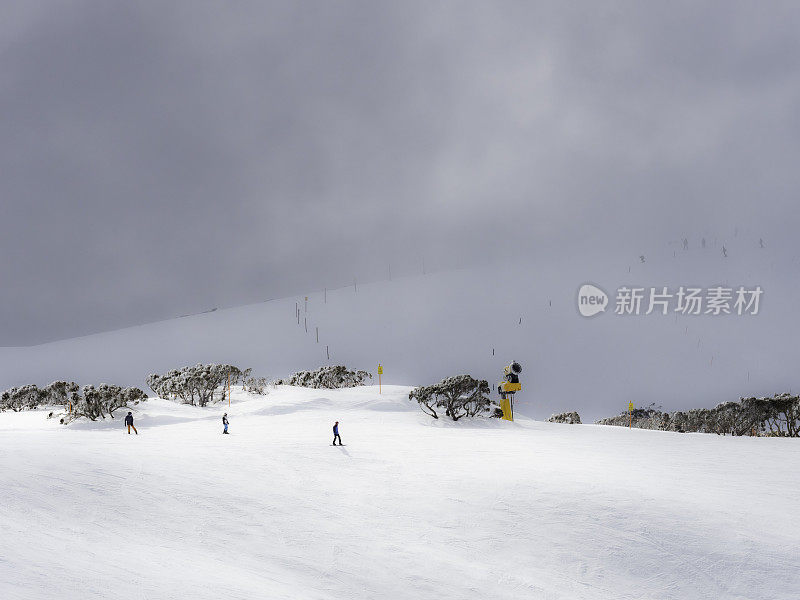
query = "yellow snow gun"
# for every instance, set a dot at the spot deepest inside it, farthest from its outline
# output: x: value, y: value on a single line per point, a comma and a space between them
x: 508, y: 387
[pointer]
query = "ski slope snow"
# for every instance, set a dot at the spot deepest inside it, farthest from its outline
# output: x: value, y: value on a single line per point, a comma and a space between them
x: 408, y: 508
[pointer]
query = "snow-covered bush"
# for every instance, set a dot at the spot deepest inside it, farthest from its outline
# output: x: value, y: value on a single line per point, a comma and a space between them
x: 642, y: 418
x: 62, y: 393
x: 778, y: 416
x: 571, y: 418
x: 26, y: 397
x: 459, y: 396
x: 90, y: 402
x: 329, y: 377
x: 97, y: 402
x: 197, y: 385
x: 256, y: 385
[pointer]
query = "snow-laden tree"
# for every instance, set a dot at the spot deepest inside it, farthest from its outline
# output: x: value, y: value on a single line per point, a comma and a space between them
x: 90, y: 402
x: 734, y: 418
x: 197, y: 385
x: 31, y: 397
x: 776, y: 416
x: 62, y: 393
x: 328, y: 377
x: 26, y: 397
x: 457, y: 397
x: 570, y: 418
x: 256, y: 385
x: 649, y: 417
x: 98, y: 402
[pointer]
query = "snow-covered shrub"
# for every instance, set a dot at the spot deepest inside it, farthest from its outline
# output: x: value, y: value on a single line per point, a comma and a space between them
x: 778, y: 415
x: 26, y: 397
x: 571, y: 418
x: 90, y: 402
x: 256, y: 385
x: 62, y: 393
x: 735, y: 418
x: 30, y: 397
x: 195, y: 385
x: 642, y: 418
x: 97, y: 402
x: 696, y: 420
x: 329, y: 377
x: 459, y: 396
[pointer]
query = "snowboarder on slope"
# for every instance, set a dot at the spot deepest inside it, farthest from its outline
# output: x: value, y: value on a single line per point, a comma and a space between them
x: 225, y: 423
x: 336, y: 434
x: 129, y: 423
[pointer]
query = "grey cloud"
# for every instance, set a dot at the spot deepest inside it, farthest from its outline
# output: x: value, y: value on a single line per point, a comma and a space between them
x: 161, y: 158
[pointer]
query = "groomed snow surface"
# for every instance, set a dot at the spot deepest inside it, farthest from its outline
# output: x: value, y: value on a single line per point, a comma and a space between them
x: 409, y: 508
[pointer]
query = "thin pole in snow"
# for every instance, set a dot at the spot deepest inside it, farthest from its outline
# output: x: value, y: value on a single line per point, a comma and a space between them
x: 355, y: 286
x: 328, y: 352
x: 317, y: 328
x: 305, y: 323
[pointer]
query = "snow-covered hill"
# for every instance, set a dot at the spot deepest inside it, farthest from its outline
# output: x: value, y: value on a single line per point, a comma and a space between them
x: 424, y: 328
x: 408, y: 508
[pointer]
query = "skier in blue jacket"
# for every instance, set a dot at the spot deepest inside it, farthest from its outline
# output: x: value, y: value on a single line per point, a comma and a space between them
x: 225, y: 423
x: 336, y: 434
x: 129, y: 423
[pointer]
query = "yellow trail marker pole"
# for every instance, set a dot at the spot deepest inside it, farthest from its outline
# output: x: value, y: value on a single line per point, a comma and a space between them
x: 630, y: 414
x: 380, y: 372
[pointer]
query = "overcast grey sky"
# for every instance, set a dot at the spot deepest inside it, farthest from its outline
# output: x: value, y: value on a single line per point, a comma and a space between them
x: 160, y: 158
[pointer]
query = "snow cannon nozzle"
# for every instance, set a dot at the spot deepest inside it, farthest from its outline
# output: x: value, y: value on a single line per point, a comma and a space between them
x: 512, y: 372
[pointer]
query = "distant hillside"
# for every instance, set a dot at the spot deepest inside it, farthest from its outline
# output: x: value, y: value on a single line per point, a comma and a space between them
x: 474, y: 321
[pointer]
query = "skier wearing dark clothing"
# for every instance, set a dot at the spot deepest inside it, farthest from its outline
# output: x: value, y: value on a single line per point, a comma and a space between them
x: 336, y: 434
x: 225, y: 423
x: 129, y: 423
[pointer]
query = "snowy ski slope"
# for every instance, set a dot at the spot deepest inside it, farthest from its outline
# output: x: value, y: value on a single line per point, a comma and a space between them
x: 409, y: 508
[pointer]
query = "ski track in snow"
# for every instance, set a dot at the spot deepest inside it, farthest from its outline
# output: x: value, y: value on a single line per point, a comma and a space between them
x: 409, y: 508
